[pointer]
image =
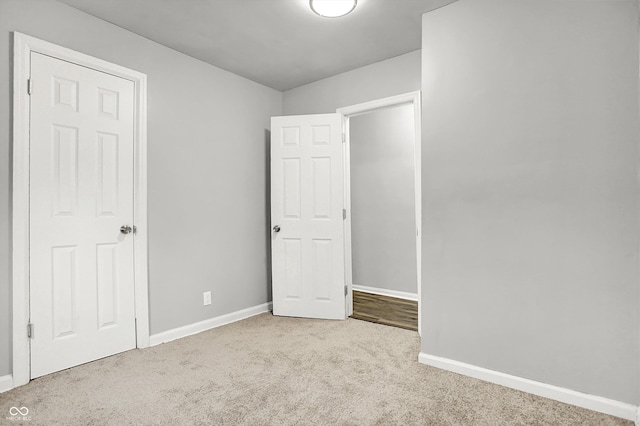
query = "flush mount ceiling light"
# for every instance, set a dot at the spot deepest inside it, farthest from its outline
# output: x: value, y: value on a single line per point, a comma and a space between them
x: 332, y: 8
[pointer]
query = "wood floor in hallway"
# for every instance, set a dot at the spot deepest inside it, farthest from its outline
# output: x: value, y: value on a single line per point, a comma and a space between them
x: 385, y: 310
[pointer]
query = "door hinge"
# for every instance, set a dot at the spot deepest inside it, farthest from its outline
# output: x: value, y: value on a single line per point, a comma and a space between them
x: 29, y: 86
x: 30, y: 331
x: 344, y: 214
x: 346, y: 290
x: 344, y: 138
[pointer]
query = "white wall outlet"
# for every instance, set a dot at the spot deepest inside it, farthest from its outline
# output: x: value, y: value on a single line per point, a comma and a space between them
x: 207, y: 298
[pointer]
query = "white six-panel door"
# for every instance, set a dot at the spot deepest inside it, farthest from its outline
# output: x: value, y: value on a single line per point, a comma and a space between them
x: 81, y: 193
x: 307, y: 216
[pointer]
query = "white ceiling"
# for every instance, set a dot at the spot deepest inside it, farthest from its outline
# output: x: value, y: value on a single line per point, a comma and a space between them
x: 279, y: 43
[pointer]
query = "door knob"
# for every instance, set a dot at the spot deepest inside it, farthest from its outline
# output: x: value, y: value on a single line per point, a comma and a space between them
x: 126, y: 229
x: 276, y: 228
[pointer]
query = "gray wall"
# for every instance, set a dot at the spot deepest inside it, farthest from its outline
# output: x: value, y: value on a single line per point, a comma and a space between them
x: 376, y: 81
x: 207, y: 133
x: 530, y: 190
x: 383, y: 231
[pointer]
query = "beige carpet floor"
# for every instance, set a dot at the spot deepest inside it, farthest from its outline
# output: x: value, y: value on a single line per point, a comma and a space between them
x: 269, y: 370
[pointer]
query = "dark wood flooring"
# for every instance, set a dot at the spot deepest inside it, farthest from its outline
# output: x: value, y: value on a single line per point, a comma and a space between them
x: 385, y: 310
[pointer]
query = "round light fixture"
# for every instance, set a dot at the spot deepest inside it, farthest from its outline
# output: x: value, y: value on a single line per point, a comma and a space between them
x: 332, y: 8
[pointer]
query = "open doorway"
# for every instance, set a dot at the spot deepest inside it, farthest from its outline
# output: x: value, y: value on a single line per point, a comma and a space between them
x: 383, y: 215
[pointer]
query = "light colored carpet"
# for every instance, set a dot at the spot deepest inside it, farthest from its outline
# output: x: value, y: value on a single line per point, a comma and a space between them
x: 269, y: 370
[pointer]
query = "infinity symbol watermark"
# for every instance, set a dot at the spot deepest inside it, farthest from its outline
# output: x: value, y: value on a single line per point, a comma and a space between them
x: 14, y: 411
x: 19, y: 414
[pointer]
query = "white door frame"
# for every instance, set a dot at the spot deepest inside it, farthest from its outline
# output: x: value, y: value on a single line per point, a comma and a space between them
x: 23, y: 45
x: 412, y: 98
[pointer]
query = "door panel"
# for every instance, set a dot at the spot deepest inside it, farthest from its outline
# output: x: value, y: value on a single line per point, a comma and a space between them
x: 81, y: 192
x: 306, y: 204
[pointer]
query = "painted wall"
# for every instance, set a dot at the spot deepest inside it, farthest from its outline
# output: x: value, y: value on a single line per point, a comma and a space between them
x: 376, y: 81
x: 530, y: 190
x: 383, y: 231
x: 207, y: 136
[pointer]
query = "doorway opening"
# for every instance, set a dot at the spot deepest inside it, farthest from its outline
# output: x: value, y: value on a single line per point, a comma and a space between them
x: 383, y: 200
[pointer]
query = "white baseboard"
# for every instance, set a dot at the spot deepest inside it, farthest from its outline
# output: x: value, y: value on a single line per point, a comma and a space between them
x: 568, y: 396
x: 385, y: 292
x: 6, y: 383
x: 188, y: 330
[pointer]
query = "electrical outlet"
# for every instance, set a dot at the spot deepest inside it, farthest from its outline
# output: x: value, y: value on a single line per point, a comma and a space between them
x: 207, y: 298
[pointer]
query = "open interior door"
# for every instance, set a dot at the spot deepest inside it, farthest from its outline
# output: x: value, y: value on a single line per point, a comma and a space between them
x: 307, y: 235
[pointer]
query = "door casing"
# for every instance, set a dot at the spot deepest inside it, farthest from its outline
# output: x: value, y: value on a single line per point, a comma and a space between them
x: 414, y: 99
x: 23, y: 45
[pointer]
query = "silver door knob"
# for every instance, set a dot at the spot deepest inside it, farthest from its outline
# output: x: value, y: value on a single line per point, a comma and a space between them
x: 276, y: 228
x: 126, y: 229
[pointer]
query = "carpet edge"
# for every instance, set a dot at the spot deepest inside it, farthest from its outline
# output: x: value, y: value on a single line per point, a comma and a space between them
x: 198, y: 327
x: 591, y: 402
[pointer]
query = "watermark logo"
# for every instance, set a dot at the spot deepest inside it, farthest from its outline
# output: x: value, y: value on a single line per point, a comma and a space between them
x: 19, y: 414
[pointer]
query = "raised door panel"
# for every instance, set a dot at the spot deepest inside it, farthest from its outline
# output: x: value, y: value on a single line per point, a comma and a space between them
x: 321, y: 188
x: 292, y: 197
x: 321, y: 269
x: 64, y: 280
x: 293, y: 268
x: 65, y: 94
x: 107, y: 169
x: 107, y: 282
x: 65, y: 170
x: 290, y: 137
x: 108, y: 103
x: 321, y: 135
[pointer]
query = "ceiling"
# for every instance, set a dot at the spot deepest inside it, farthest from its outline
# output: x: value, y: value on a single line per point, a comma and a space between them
x: 279, y: 43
